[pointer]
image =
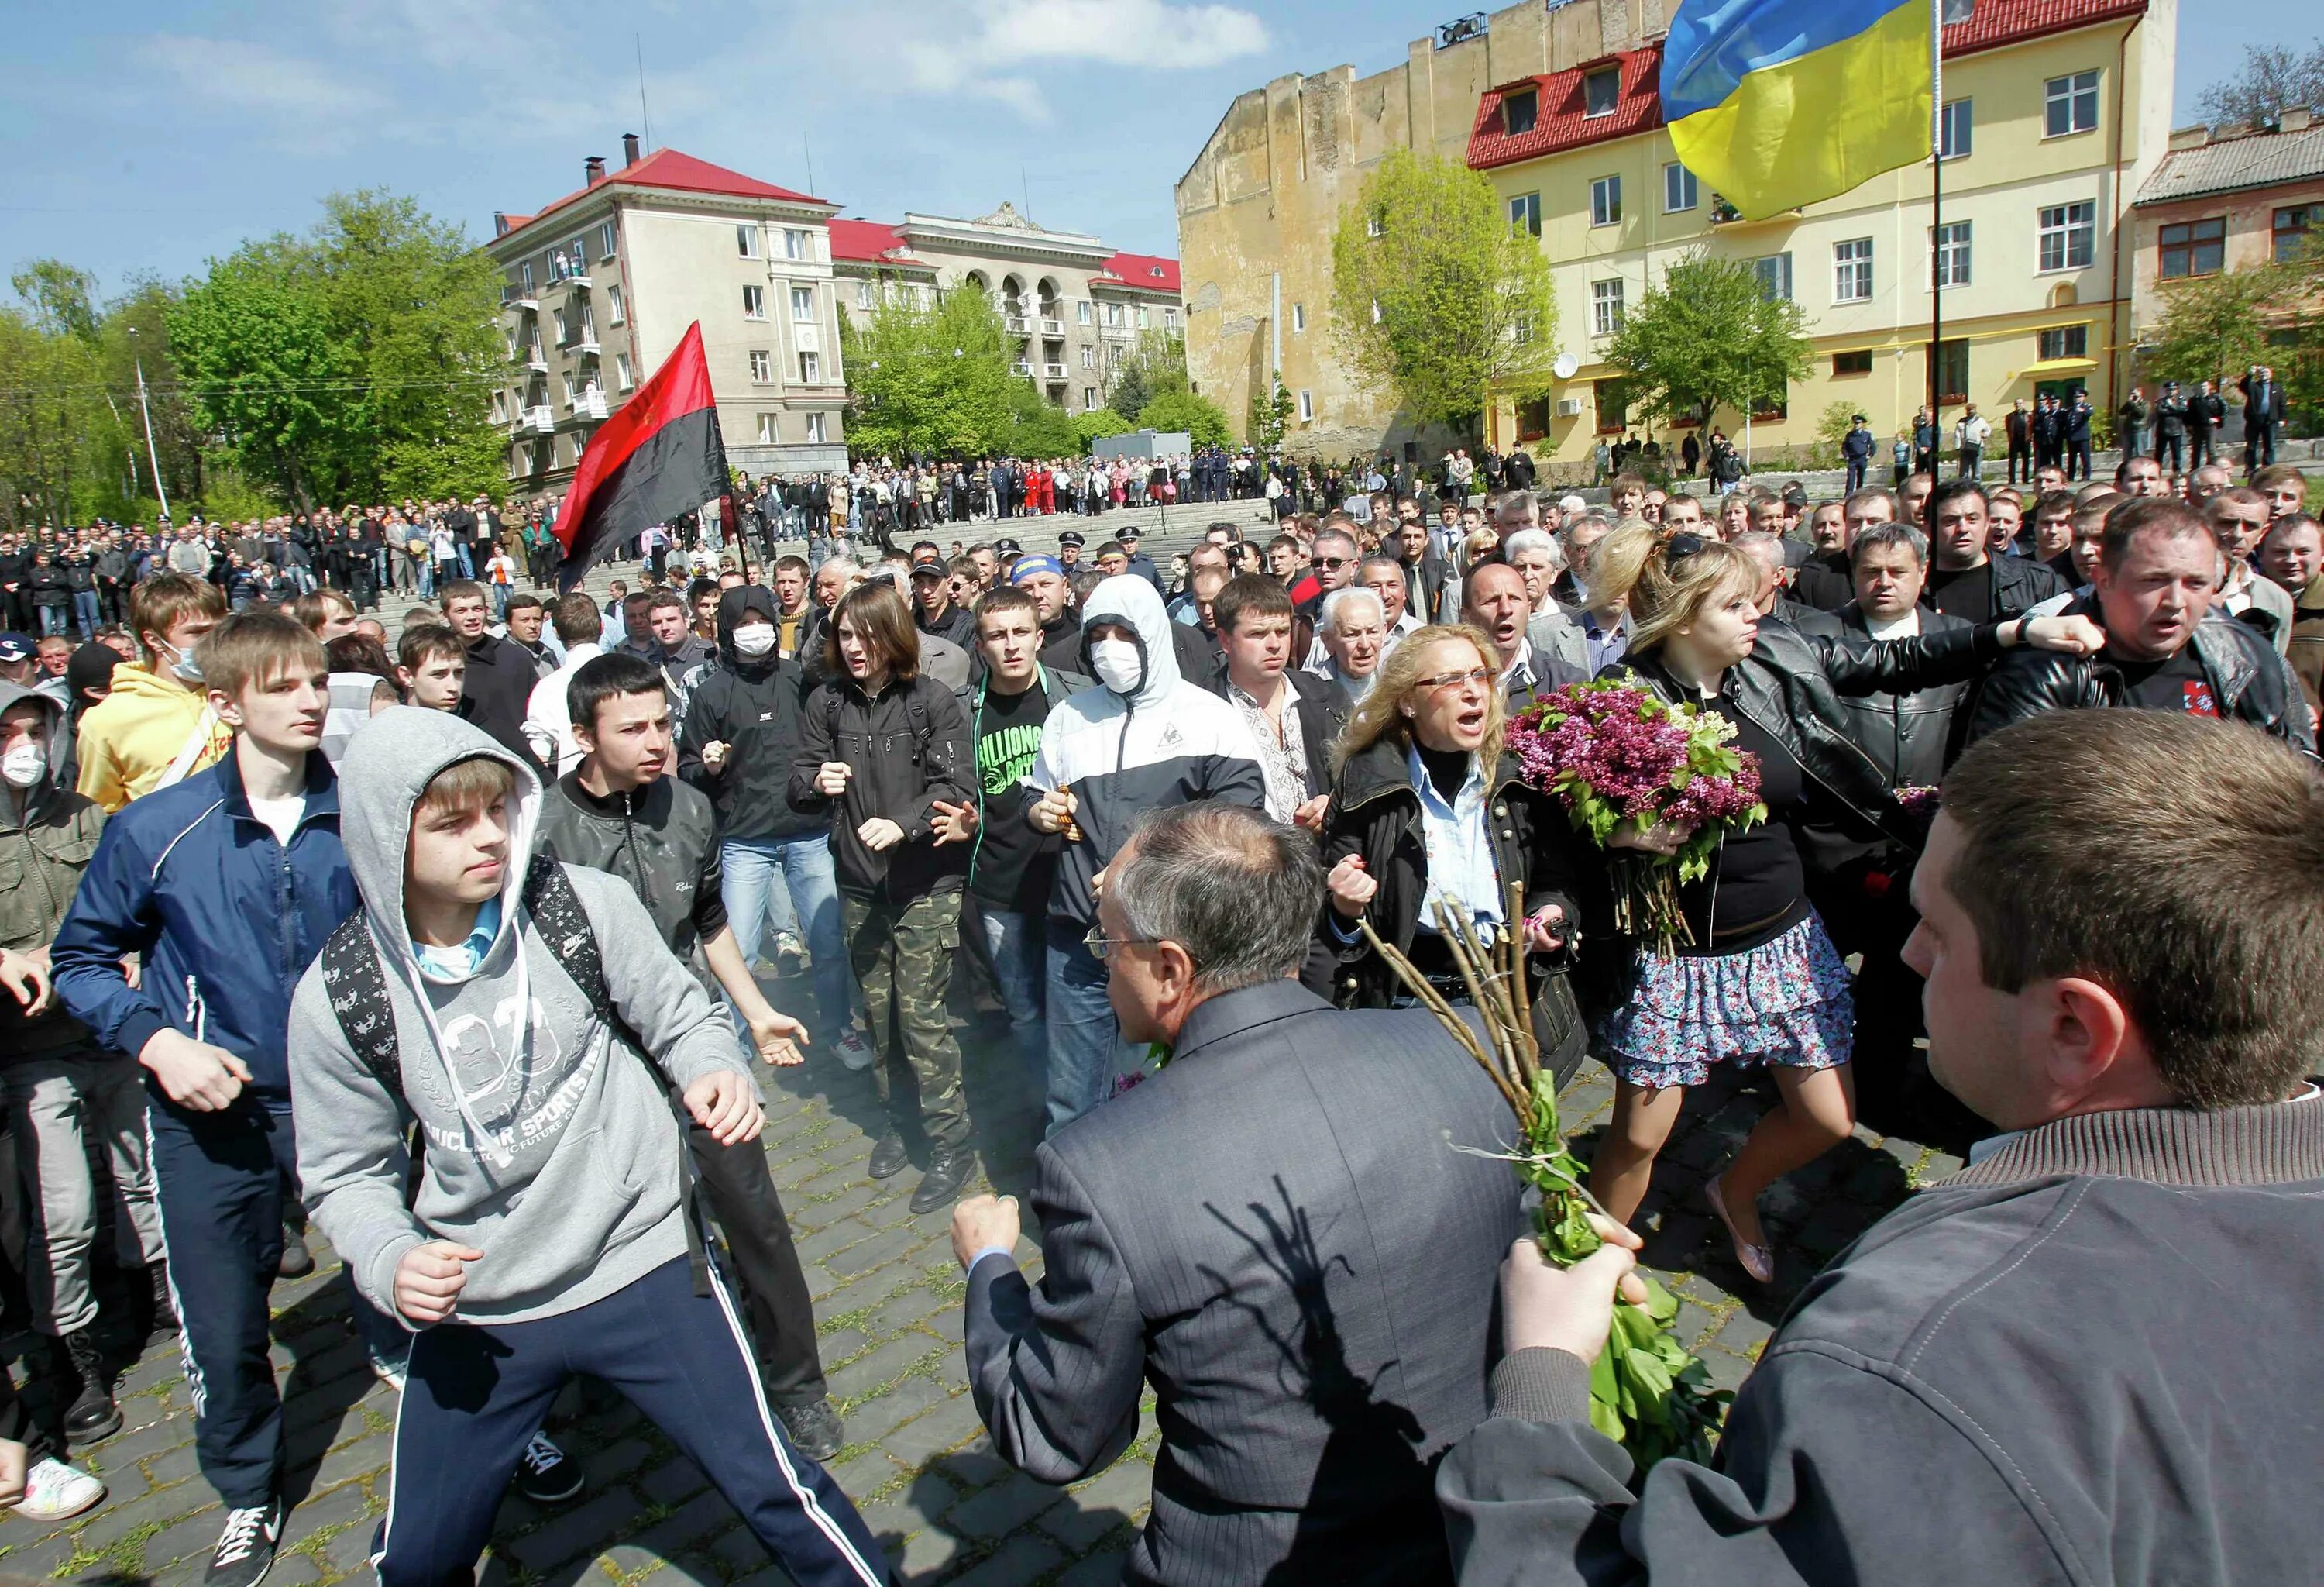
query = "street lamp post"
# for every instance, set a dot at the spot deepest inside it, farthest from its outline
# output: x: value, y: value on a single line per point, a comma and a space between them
x: 159, y: 490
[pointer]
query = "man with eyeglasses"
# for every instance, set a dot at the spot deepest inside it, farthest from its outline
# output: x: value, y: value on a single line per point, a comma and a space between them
x: 2240, y: 517
x: 1332, y: 560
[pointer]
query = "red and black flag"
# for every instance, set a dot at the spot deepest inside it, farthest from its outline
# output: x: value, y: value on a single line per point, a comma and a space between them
x: 661, y: 456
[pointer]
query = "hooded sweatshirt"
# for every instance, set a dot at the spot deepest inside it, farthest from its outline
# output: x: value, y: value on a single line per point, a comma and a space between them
x: 129, y: 743
x: 1167, y: 742
x: 45, y: 846
x: 553, y: 1152
x: 752, y: 706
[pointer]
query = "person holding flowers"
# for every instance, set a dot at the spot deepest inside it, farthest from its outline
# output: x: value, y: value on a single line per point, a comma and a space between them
x: 1751, y: 977
x: 1428, y: 806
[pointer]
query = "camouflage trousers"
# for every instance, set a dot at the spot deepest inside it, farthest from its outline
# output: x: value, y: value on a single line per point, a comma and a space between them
x: 902, y: 955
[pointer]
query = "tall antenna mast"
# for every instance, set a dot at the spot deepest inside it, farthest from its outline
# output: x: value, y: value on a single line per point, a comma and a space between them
x: 643, y: 115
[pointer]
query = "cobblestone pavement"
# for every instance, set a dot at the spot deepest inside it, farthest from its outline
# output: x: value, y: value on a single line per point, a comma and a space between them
x: 888, y: 1294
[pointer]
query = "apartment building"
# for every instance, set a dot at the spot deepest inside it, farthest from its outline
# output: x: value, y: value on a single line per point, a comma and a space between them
x: 2230, y: 198
x: 603, y: 284
x: 1073, y: 306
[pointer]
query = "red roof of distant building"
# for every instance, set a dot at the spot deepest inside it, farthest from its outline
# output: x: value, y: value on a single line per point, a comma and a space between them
x: 866, y: 240
x: 1147, y: 272
x: 669, y: 167
x: 1560, y: 122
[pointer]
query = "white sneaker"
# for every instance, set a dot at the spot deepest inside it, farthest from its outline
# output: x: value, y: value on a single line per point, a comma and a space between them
x: 54, y: 1491
x: 391, y: 1373
x: 855, y: 1052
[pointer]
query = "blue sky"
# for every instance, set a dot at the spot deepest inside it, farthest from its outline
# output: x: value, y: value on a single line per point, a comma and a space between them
x: 149, y: 137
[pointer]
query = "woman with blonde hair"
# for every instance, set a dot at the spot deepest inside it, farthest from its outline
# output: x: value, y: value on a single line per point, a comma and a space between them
x: 1428, y: 807
x: 1759, y: 982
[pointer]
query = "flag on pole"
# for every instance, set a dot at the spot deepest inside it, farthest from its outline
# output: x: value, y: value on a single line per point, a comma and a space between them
x: 660, y: 456
x: 1779, y: 103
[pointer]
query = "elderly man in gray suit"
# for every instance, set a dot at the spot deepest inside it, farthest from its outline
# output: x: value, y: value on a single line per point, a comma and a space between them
x: 1277, y: 1232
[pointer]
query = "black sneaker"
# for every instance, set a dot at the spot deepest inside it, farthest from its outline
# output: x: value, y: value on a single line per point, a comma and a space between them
x: 296, y: 1260
x: 246, y: 1547
x: 948, y: 1170
x: 889, y: 1156
x: 815, y: 1428
x: 544, y: 1475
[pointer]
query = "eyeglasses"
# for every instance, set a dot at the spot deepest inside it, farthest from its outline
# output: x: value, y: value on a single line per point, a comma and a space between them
x: 1098, y: 943
x: 1482, y: 677
x: 1328, y: 564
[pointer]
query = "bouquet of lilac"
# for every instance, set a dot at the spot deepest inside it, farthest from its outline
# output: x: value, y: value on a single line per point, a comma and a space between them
x: 1617, y: 758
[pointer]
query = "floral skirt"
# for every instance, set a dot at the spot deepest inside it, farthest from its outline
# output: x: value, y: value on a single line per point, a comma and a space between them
x: 1785, y: 1001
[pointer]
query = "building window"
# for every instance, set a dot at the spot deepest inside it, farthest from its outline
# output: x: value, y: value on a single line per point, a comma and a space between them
x: 2293, y: 227
x: 1606, y: 201
x: 2067, y: 341
x: 2070, y: 104
x: 1298, y: 317
x: 616, y: 304
x: 1951, y: 242
x: 499, y: 407
x: 762, y: 365
x: 746, y: 243
x: 754, y: 302
x: 1145, y: 317
x: 579, y: 249
x: 1089, y: 357
x: 1113, y: 316
x: 1955, y: 138
x: 1308, y: 400
x: 607, y: 237
x: 766, y: 429
x: 1525, y: 213
x: 803, y: 305
x: 795, y: 244
x: 1952, y: 371
x: 1518, y: 111
x: 569, y: 390
x: 816, y: 432
x: 1089, y: 399
x: 621, y: 370
x: 510, y: 337
x: 810, y: 369
x: 1601, y: 91
x: 1851, y: 271
x: 1775, y: 273
x: 557, y: 316
x: 2195, y: 247
x: 1612, y: 399
x: 2068, y: 236
x: 1856, y: 362
x: 524, y: 274
x: 864, y: 294
x: 1605, y: 307
x: 1679, y: 192
x: 1082, y: 311
x: 1171, y: 321
x: 1374, y: 225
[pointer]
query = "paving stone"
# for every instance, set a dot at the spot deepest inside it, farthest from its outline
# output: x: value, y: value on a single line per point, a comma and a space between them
x: 739, y: 1549
x: 157, y: 1505
x: 370, y: 1454
x: 584, y: 1531
x: 926, y: 1551
x: 877, y: 1251
x: 1103, y: 1569
x: 672, y: 1481
x: 196, y: 1535
x: 945, y: 1428
x: 975, y: 1467
x: 601, y: 1466
x: 919, y: 1304
x: 1118, y: 1495
x: 889, y: 1360
x: 872, y: 1420
x: 1021, y: 1559
x: 37, y: 1558
x: 322, y: 1512
x: 697, y: 1520
x: 1002, y: 1507
x: 865, y: 1473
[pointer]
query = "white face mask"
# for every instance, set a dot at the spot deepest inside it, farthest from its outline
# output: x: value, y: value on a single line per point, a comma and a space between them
x: 24, y: 765
x: 754, y: 639
x: 182, y: 663
x: 1118, y: 665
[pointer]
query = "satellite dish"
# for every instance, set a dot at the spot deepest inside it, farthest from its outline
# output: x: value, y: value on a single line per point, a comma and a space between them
x: 1565, y: 365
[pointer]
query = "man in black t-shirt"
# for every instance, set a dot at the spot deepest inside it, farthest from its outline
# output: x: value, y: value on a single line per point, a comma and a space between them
x: 1965, y: 580
x: 1013, y: 863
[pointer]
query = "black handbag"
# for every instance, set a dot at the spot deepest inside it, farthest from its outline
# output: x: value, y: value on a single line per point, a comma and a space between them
x: 1559, y: 1033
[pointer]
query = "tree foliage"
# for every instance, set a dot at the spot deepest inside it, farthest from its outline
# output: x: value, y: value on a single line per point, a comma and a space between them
x: 1036, y: 428
x: 1156, y: 367
x: 71, y: 447
x: 2274, y: 78
x: 362, y: 350
x: 1203, y: 421
x: 2214, y: 327
x: 1711, y: 337
x: 1270, y: 414
x: 1435, y: 297
x: 928, y: 379
x: 1097, y: 424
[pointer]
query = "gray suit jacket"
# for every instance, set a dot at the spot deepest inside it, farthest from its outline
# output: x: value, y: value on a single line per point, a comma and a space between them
x: 1276, y: 1233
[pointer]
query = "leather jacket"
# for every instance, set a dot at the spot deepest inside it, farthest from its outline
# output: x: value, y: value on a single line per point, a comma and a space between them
x: 1907, y: 734
x: 2249, y: 682
x: 2017, y: 585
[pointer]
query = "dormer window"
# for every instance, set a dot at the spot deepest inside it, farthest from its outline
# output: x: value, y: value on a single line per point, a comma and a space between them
x: 1519, y: 110
x: 1601, y: 91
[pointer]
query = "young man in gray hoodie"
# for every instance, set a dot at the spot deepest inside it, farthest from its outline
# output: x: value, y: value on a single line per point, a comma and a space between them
x: 533, y: 1025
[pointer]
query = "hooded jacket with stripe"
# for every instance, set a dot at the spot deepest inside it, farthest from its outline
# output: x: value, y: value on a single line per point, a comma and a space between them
x: 46, y: 844
x: 753, y: 707
x: 1170, y: 741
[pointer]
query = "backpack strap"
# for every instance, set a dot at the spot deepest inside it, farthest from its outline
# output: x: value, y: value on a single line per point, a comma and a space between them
x: 358, y: 994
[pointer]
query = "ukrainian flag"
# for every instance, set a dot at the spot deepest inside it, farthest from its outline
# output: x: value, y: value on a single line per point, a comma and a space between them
x: 1779, y: 103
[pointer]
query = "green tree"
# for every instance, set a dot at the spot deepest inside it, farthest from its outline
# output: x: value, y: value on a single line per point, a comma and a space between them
x: 1156, y: 365
x: 2214, y: 327
x: 2274, y: 79
x: 64, y: 449
x: 1270, y: 414
x: 1435, y: 297
x: 1036, y: 428
x: 927, y: 378
x: 1711, y: 337
x: 1097, y: 424
x: 1202, y: 419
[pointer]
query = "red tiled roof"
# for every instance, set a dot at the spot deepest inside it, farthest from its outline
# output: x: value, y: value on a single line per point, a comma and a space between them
x: 670, y: 169
x: 1147, y: 272
x: 868, y: 241
x: 1560, y: 123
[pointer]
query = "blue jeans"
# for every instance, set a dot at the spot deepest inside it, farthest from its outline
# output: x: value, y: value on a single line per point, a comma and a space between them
x: 755, y: 868
x: 1019, y: 971
x: 1084, y: 1038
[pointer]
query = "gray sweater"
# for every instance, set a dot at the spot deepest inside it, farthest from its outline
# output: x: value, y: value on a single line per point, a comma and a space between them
x: 2089, y: 1358
x: 556, y: 1156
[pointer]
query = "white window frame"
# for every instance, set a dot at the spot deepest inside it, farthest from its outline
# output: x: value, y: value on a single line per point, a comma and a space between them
x: 623, y: 372
x: 608, y: 239
x: 1170, y: 320
x: 795, y: 244
x: 1952, y: 257
x: 1090, y: 404
x: 746, y: 243
x: 1774, y: 272
x: 767, y: 434
x: 556, y: 318
x: 1525, y: 210
x: 617, y: 305
x: 1606, y: 201
x: 1676, y: 175
x: 817, y: 429
x: 1851, y: 270
x: 1298, y: 319
x: 1306, y: 407
x: 864, y: 294
x: 1959, y: 140
x: 1089, y: 357
x: 754, y: 302
x: 1605, y: 307
x: 1604, y: 74
x: 2072, y: 91
x: 810, y: 368
x: 2058, y: 229
x: 803, y: 297
x: 762, y: 365
x: 1082, y: 311
x: 525, y: 273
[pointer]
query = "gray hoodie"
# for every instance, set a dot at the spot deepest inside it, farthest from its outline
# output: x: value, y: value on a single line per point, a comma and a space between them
x: 556, y: 1156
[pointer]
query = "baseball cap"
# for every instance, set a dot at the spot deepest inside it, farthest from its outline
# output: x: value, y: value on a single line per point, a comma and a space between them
x: 1041, y: 562
x: 930, y: 563
x: 17, y: 646
x: 1071, y: 537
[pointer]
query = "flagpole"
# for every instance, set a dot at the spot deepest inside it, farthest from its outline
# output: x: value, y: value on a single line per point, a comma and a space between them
x: 1936, y: 221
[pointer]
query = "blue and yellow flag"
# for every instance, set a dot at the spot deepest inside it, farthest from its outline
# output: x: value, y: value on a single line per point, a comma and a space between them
x: 1779, y: 103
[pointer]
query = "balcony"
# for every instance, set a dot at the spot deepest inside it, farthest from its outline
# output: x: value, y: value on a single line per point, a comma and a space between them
x: 578, y: 280
x: 1052, y: 327
x: 1021, y: 368
x: 536, y: 360
x: 1053, y: 372
x: 541, y: 420
x: 589, y: 404
x: 519, y: 299
x: 1121, y: 332
x: 1017, y: 325
x: 585, y: 343
x: 1723, y: 214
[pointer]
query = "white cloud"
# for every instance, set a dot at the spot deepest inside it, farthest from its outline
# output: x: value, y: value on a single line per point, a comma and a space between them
x: 234, y: 74
x: 1144, y: 33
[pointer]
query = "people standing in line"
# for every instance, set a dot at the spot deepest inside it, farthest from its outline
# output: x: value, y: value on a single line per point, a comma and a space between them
x: 2171, y: 421
x: 1294, y: 716
x: 881, y: 747
x: 2017, y: 428
x: 2206, y: 411
x: 1971, y: 433
x: 2264, y: 410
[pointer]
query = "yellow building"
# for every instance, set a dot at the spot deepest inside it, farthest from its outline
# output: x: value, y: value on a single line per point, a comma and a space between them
x: 2057, y: 111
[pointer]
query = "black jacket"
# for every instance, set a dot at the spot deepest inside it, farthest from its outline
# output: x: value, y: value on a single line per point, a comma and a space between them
x: 957, y: 624
x: 753, y: 707
x: 499, y: 691
x: 2249, y: 682
x: 1376, y: 816
x: 899, y: 773
x: 662, y: 840
x: 2015, y: 584
x: 1907, y: 734
x: 1322, y: 708
x: 1824, y: 581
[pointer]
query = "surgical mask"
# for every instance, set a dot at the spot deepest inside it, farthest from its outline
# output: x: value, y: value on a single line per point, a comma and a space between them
x: 182, y: 663
x: 754, y: 639
x: 1118, y: 665
x: 24, y: 765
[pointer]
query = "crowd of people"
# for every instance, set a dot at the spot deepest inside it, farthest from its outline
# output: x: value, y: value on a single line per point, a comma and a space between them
x: 462, y: 950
